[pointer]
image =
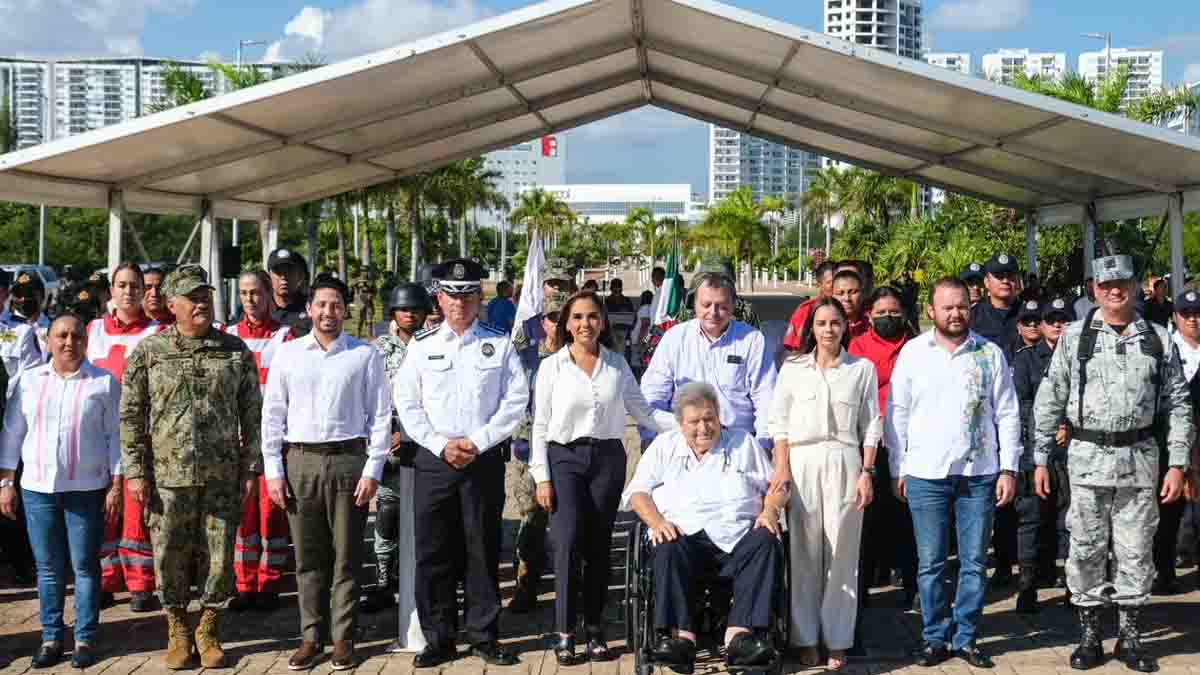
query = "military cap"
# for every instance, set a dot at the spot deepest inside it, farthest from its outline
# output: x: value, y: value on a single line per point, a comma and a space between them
x: 28, y: 282
x: 1112, y: 268
x: 972, y: 272
x: 554, y: 302
x: 712, y: 266
x: 283, y: 257
x: 556, y: 270
x: 459, y: 276
x: 1001, y: 264
x: 1058, y: 307
x: 1188, y: 301
x: 5, y: 278
x: 185, y: 280
x: 1030, y: 309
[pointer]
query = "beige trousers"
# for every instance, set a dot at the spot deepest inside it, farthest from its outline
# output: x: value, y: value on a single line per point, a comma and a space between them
x: 824, y: 529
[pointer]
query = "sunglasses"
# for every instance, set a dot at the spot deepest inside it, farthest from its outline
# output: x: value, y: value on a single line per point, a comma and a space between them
x: 1030, y: 323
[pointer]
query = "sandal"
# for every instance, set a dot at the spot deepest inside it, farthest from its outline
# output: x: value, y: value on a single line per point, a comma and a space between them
x: 837, y: 660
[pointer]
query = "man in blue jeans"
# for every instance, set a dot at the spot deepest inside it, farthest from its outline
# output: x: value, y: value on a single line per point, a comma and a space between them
x: 953, y: 414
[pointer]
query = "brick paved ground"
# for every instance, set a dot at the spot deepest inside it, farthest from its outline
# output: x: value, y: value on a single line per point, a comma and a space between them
x: 259, y: 644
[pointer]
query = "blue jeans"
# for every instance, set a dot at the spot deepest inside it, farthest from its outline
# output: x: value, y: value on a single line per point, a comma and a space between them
x: 67, y: 526
x: 971, y: 500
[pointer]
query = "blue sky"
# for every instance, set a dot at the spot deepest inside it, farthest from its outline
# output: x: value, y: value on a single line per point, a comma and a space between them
x: 642, y: 146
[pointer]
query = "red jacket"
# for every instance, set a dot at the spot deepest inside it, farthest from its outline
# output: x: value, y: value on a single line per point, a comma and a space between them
x: 791, y: 341
x: 883, y: 353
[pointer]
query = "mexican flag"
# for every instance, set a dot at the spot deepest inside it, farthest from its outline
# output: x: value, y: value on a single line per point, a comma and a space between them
x: 670, y: 296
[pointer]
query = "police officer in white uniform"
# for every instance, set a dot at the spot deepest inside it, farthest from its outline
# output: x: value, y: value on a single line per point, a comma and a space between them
x: 460, y: 393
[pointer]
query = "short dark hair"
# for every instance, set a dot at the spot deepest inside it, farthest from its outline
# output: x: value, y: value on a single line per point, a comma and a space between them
x: 502, y: 286
x: 1160, y: 280
x: 948, y: 282
x: 808, y: 341
x: 616, y: 283
x: 658, y: 270
x: 560, y: 330
x: 326, y: 280
x: 824, y: 268
x: 647, y: 298
x: 849, y: 274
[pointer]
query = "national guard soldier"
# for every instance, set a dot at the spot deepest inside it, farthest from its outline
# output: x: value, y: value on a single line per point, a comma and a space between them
x: 1111, y: 377
x: 460, y: 394
x: 190, y: 411
x: 555, y: 279
x: 364, y: 298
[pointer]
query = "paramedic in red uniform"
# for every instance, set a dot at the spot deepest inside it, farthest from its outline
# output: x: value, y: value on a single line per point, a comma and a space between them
x: 261, y: 547
x: 126, y: 559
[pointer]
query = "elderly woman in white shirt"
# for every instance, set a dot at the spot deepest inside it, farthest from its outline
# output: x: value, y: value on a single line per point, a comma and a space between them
x: 62, y: 422
x: 578, y: 459
x: 825, y: 408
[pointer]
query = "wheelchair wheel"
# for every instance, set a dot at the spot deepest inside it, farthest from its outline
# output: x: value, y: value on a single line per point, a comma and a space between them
x: 638, y: 597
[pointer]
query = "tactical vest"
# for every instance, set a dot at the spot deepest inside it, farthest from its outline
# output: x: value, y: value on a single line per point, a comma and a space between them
x: 1151, y: 346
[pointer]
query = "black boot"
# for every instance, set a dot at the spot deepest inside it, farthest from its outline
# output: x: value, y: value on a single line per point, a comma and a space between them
x: 1027, y: 585
x: 380, y: 597
x: 1089, y: 654
x: 1129, y: 641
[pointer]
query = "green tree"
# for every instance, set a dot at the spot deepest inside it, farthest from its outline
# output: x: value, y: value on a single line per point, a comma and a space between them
x: 734, y: 227
x: 543, y: 214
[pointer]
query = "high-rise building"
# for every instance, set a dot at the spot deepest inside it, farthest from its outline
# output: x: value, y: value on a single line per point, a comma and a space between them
x: 769, y: 169
x: 889, y: 25
x: 958, y: 62
x: 1006, y: 63
x: 525, y: 166
x: 1145, y: 69
x: 55, y: 99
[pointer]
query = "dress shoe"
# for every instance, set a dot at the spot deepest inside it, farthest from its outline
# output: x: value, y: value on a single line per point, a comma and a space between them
x: 48, y: 655
x: 433, y: 656
x: 493, y: 654
x: 306, y: 656
x: 343, y: 655
x: 597, y: 646
x: 930, y: 655
x: 142, y: 601
x: 242, y: 602
x: 4, y: 660
x: 975, y: 656
x: 564, y: 650
x: 677, y: 653
x: 1166, y: 585
x: 83, y: 656
x: 266, y: 601
x: 747, y: 650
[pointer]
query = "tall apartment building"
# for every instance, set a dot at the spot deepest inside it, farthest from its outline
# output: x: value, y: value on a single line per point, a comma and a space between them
x: 1145, y: 69
x: 769, y: 169
x: 889, y: 25
x: 525, y: 166
x: 1186, y: 121
x: 55, y: 99
x: 1006, y: 63
x: 958, y: 62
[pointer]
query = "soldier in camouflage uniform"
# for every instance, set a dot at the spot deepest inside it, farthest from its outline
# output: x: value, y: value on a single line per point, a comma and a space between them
x: 186, y: 460
x: 529, y: 554
x: 364, y: 299
x: 555, y: 279
x: 1112, y: 391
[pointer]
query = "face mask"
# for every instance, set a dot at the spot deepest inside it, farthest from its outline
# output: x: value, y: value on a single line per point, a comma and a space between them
x: 889, y: 326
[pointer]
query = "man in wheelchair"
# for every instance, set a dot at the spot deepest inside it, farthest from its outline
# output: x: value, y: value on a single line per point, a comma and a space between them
x: 702, y: 491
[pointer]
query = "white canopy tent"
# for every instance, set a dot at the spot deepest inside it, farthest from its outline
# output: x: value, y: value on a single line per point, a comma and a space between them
x: 564, y: 63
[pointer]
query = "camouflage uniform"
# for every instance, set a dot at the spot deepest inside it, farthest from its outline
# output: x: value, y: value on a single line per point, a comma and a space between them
x: 364, y: 297
x: 179, y: 399
x: 393, y: 350
x: 1114, y: 506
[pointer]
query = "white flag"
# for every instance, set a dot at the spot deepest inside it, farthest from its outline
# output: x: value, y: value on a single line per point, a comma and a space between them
x: 530, y: 303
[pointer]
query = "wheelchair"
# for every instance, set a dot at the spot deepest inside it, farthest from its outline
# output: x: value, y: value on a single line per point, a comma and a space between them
x: 712, y: 609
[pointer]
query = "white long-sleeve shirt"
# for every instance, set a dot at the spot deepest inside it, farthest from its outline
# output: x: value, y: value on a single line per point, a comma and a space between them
x: 841, y: 403
x: 952, y: 414
x: 570, y: 405
x: 65, y: 429
x: 319, y: 396
x: 460, y: 386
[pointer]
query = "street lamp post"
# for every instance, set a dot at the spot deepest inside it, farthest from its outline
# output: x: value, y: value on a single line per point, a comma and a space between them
x: 1107, y: 37
x: 247, y: 43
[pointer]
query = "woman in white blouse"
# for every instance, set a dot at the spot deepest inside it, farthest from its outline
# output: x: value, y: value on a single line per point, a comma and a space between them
x: 578, y: 461
x: 62, y: 422
x: 826, y: 407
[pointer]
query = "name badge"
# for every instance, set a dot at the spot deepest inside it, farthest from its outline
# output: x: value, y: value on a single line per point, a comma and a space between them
x: 733, y: 358
x: 436, y: 357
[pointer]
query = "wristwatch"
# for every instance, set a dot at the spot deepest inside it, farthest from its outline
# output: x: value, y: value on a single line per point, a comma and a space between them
x: 869, y: 470
x: 7, y: 482
x: 1008, y: 472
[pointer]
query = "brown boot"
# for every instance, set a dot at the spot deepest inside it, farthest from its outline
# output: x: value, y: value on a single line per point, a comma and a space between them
x: 179, y: 640
x: 211, y: 654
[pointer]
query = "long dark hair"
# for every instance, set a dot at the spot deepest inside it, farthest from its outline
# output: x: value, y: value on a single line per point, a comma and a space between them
x: 132, y: 267
x: 808, y: 341
x: 560, y: 331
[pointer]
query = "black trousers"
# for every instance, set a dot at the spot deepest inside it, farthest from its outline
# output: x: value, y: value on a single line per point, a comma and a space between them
x: 753, y: 565
x: 14, y: 536
x: 588, y: 476
x: 1004, y: 536
x: 1166, y: 538
x: 888, y: 541
x: 458, y: 520
x: 1042, y: 535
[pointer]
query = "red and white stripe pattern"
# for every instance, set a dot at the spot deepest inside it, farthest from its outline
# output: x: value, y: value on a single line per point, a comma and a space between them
x: 110, y: 342
x: 263, y: 339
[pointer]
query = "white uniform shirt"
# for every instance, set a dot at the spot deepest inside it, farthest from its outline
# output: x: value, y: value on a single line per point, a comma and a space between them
x: 813, y: 405
x: 722, y: 494
x: 570, y: 405
x: 1189, y: 356
x: 65, y: 429
x: 470, y: 386
x: 319, y: 396
x: 952, y: 414
x: 20, y: 351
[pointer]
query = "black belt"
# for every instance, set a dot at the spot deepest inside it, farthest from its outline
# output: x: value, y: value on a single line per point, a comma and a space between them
x: 353, y: 446
x: 1115, y: 439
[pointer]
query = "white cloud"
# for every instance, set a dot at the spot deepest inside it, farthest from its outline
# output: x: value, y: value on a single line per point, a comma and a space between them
x: 68, y: 28
x: 1191, y: 73
x: 647, y: 124
x: 369, y: 25
x: 980, y: 16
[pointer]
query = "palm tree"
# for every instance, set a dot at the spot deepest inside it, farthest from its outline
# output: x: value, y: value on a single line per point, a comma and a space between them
x: 642, y: 221
x: 768, y: 206
x: 734, y: 226
x: 469, y: 184
x: 543, y: 214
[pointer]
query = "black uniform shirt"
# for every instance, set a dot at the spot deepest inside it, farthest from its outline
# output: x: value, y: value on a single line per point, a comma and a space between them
x: 997, y: 325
